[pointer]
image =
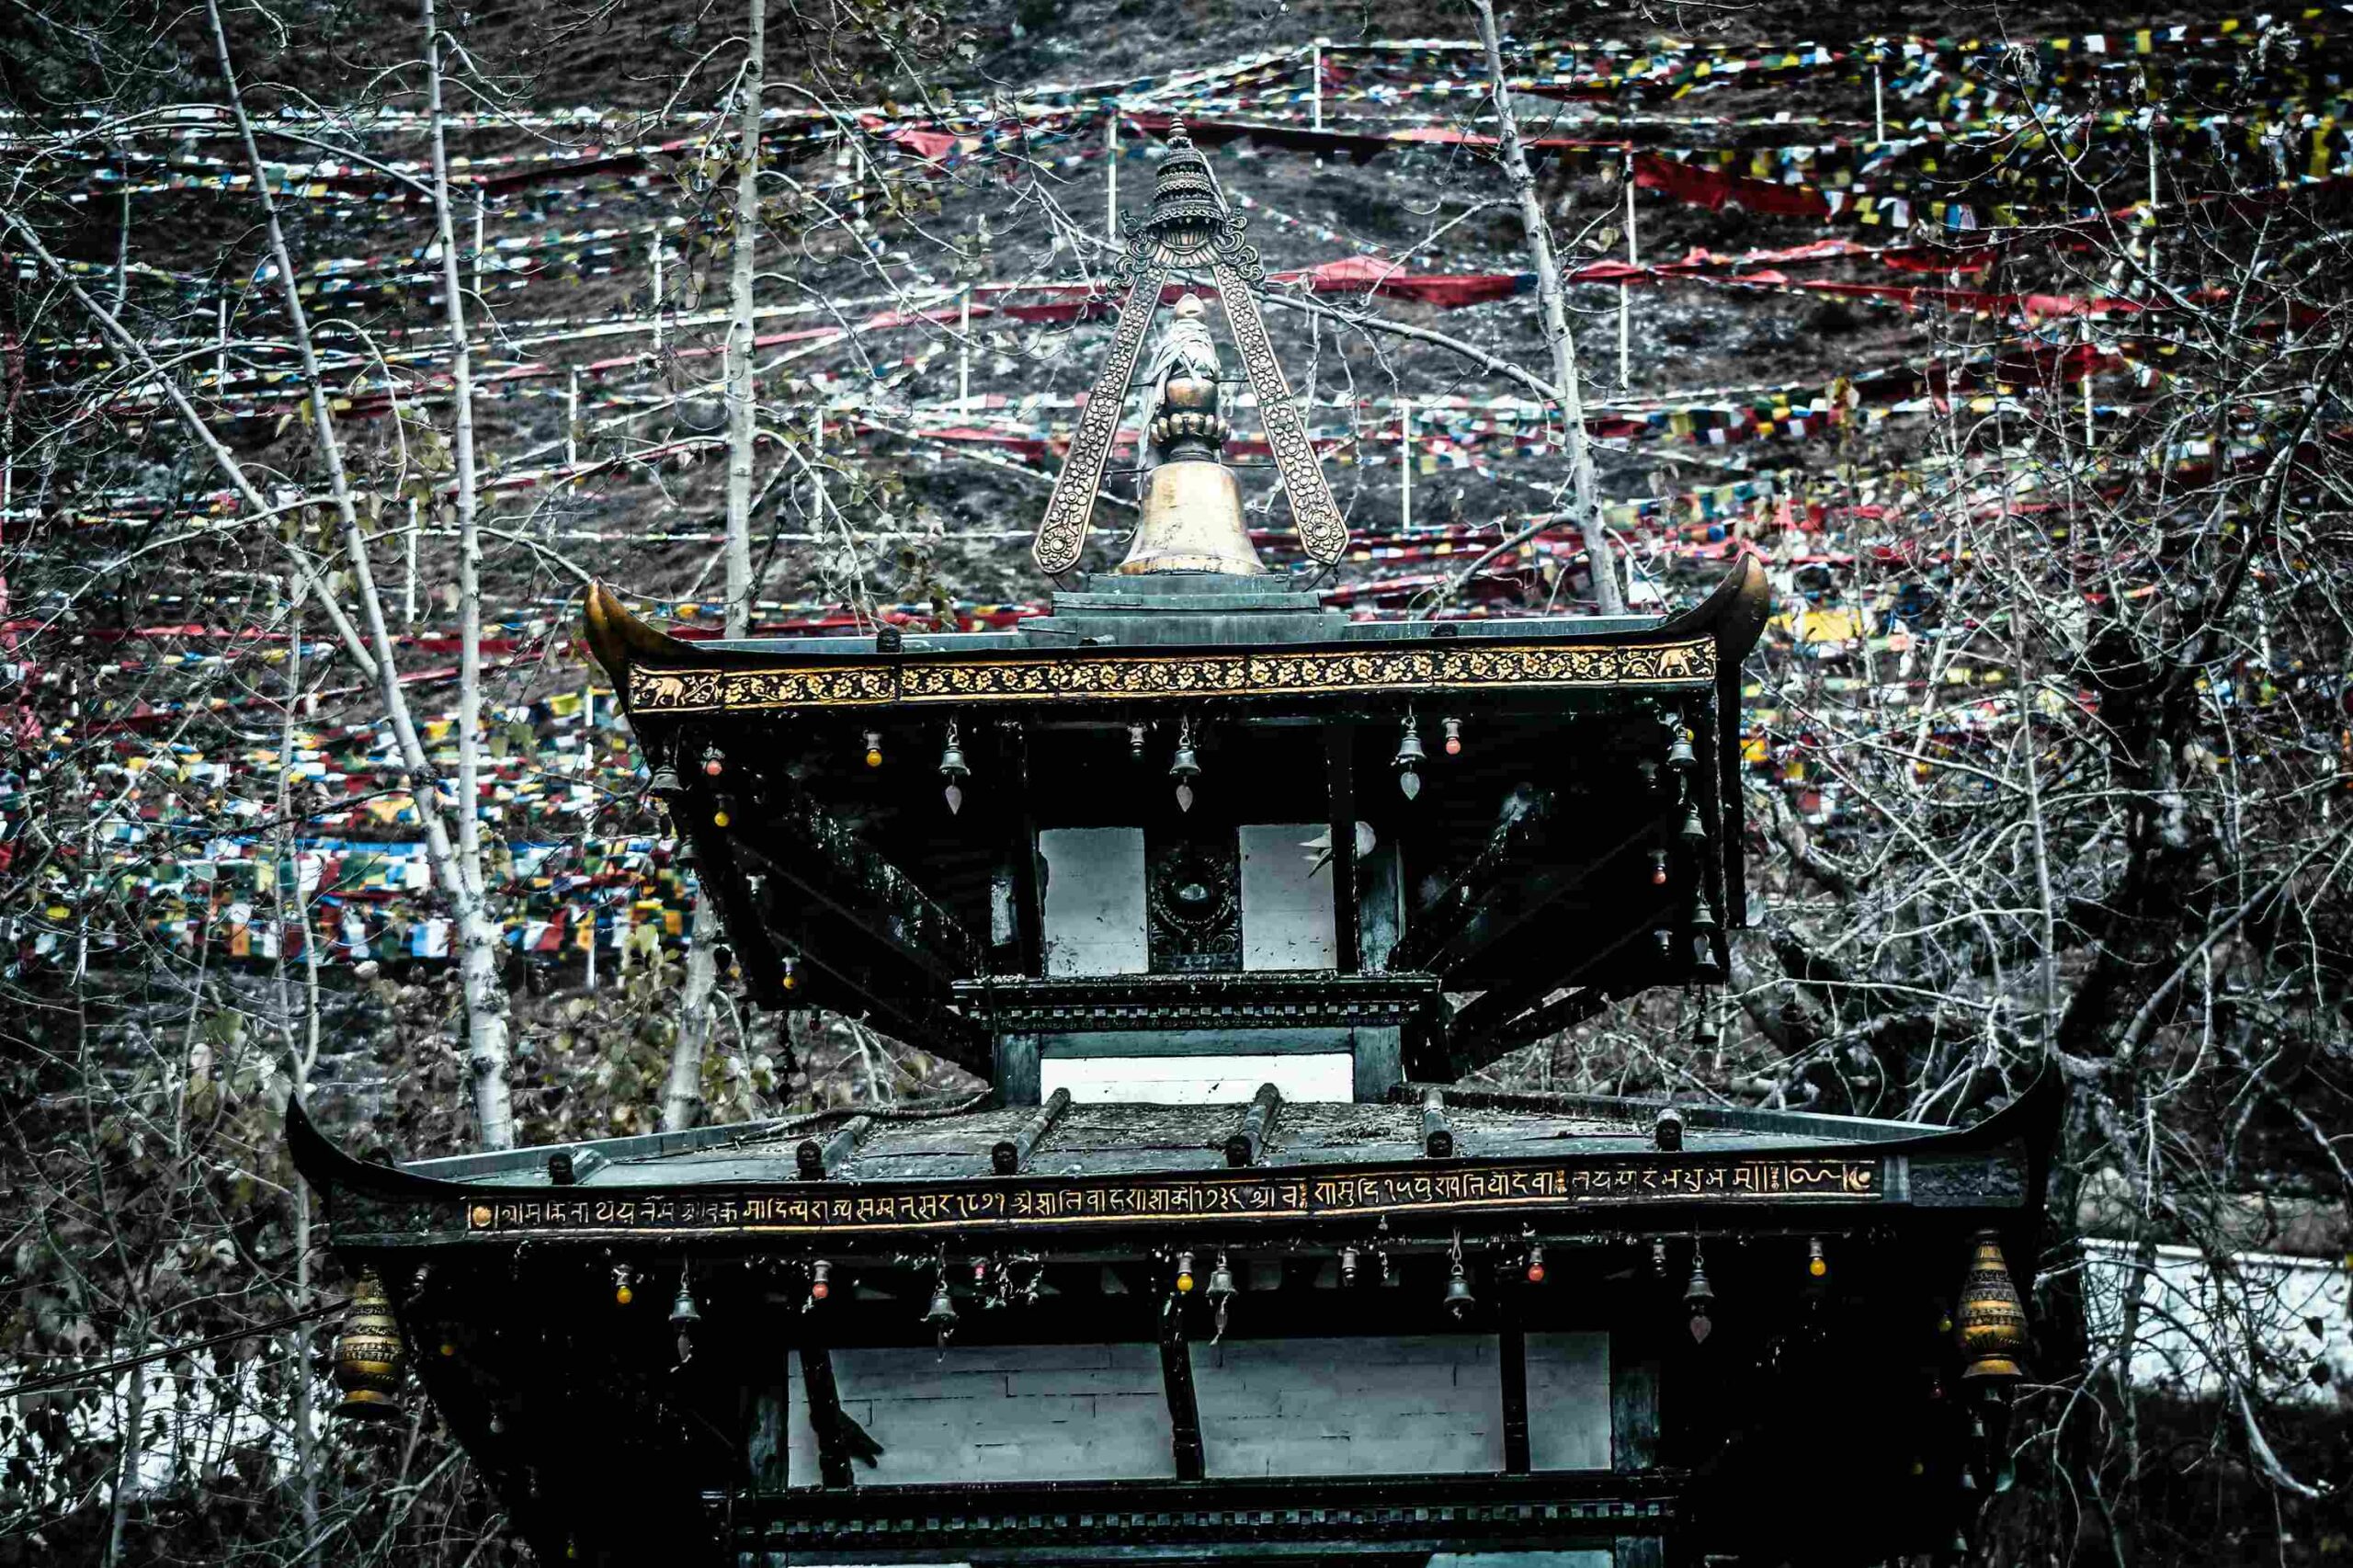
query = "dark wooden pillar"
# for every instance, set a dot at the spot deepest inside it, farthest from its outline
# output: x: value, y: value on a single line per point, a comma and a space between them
x: 1340, y: 752
x: 1512, y: 1339
x: 825, y: 1416
x: 1184, y: 1410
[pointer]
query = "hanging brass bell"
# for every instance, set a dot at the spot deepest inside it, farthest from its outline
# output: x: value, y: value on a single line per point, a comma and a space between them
x: 1458, y: 1299
x: 1679, y: 756
x: 1699, y: 1299
x: 1221, y: 1287
x: 665, y: 784
x: 1694, y: 830
x: 369, y: 1354
x: 953, y: 769
x: 942, y: 1318
x: 1409, y: 759
x: 1186, y: 767
x: 684, y: 1313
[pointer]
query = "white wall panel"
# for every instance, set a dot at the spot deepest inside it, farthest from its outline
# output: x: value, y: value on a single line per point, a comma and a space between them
x: 1407, y: 1405
x: 998, y: 1412
x: 1093, y: 909
x: 1328, y: 1077
x: 1287, y: 898
x: 1568, y: 1401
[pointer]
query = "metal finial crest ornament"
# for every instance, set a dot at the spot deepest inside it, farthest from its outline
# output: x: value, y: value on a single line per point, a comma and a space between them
x: 1188, y: 226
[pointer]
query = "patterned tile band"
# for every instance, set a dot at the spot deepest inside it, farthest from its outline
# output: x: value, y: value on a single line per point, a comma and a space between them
x: 1473, y: 665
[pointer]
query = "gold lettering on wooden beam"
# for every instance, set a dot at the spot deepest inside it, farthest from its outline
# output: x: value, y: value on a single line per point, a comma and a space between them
x: 1473, y: 664
x: 819, y: 1209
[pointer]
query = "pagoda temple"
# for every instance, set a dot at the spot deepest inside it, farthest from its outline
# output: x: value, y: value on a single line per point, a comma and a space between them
x: 1223, y: 896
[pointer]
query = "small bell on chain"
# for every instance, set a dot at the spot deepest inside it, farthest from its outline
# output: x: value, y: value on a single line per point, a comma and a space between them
x: 1458, y: 1299
x: 1135, y: 743
x: 1694, y: 832
x: 1409, y: 759
x: 1186, y: 767
x: 941, y: 1319
x: 1220, y: 1293
x: 821, y: 1283
x: 685, y: 1315
x: 1699, y: 1298
x: 1347, y: 1265
x: 1680, y: 758
x: 1453, y: 736
x: 952, y: 768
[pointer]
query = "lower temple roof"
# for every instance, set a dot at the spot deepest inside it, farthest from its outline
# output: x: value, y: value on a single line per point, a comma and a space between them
x: 1121, y: 1139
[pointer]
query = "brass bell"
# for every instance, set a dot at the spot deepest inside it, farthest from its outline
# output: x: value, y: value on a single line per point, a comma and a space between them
x: 1679, y: 756
x: 665, y: 784
x: 1347, y: 1265
x: 952, y: 768
x: 1458, y: 1299
x: 1694, y: 830
x: 1186, y: 767
x: 369, y: 1354
x: 684, y: 1313
x: 1220, y: 1293
x: 942, y: 1318
x: 1699, y: 1298
x: 1409, y: 759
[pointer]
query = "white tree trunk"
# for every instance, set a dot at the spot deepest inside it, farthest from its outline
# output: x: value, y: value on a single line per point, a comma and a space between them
x: 485, y: 997
x: 682, y: 1092
x: 1586, y: 493
x: 485, y: 1019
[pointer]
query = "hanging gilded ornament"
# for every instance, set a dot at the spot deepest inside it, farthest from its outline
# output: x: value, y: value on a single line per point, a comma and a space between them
x: 1186, y: 767
x: 370, y: 1353
x: 624, y: 1291
x: 873, y: 748
x: 952, y: 768
x: 1184, y: 1273
x: 1409, y: 759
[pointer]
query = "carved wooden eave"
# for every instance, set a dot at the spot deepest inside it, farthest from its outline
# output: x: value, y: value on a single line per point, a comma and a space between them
x: 741, y: 1186
x: 662, y: 677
